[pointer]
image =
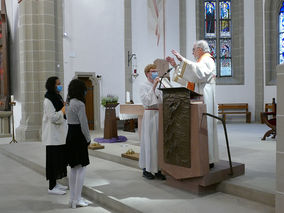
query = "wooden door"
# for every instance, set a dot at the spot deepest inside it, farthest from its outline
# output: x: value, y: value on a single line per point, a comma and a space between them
x: 89, y: 101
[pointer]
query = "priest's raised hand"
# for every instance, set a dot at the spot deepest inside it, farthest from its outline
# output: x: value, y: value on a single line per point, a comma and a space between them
x: 178, y: 56
x: 171, y: 61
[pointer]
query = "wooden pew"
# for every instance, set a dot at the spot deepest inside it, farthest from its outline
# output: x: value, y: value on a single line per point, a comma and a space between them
x: 234, y: 108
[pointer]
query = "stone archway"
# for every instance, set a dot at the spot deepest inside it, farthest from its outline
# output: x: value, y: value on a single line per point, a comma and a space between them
x: 96, y: 95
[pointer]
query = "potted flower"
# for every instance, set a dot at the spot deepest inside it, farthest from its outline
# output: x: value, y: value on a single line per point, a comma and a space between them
x: 109, y: 101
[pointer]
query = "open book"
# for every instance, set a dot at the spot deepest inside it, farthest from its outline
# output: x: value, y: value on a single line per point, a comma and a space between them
x: 166, y: 83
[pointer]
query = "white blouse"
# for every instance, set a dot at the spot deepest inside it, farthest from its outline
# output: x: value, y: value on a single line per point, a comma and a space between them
x: 54, y: 126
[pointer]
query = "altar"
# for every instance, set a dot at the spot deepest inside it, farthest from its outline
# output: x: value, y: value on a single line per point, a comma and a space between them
x: 133, y: 110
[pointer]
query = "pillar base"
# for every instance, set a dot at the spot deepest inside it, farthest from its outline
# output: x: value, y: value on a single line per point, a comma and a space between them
x: 28, y: 134
x: 5, y: 129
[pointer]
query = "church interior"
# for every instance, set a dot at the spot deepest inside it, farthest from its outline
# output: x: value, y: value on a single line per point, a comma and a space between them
x: 107, y: 44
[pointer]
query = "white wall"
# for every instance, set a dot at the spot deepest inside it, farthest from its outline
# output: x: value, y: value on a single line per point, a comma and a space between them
x: 269, y: 93
x: 244, y: 93
x: 95, y: 43
x: 144, y: 40
x: 235, y: 93
x: 225, y: 93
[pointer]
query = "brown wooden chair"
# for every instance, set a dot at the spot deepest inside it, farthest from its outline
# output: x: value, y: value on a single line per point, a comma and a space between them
x: 269, y: 118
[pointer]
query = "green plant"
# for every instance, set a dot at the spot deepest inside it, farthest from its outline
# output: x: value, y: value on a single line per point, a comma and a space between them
x: 109, y: 99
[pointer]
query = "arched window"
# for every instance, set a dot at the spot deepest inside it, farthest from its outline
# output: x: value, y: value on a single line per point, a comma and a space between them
x: 218, y: 33
x: 281, y: 35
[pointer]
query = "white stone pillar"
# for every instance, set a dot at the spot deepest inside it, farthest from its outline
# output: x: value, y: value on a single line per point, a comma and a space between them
x: 40, y: 36
x: 128, y: 46
x: 279, y: 206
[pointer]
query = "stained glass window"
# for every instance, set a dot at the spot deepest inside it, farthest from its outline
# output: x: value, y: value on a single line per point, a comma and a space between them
x: 212, y: 45
x: 281, y: 34
x: 210, y: 19
x: 225, y: 48
x: 220, y: 41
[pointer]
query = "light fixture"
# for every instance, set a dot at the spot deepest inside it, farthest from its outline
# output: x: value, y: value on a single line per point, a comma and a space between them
x: 130, y: 56
x: 134, y: 64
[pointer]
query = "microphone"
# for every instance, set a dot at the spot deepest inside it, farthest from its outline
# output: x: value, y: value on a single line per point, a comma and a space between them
x: 169, y: 70
x: 164, y: 76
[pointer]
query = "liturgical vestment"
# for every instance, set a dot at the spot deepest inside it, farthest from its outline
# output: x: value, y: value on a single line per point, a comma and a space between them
x: 203, y: 74
x: 150, y: 124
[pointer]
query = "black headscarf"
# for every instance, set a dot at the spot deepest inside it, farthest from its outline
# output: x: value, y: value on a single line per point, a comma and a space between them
x: 56, y: 100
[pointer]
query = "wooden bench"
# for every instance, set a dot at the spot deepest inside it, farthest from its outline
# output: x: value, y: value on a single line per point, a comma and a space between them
x: 234, y: 108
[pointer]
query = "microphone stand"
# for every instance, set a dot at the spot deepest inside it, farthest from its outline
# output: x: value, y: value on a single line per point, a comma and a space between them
x: 164, y: 76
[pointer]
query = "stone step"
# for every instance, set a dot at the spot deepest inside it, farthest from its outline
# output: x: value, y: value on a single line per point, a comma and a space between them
x: 227, y: 186
x: 247, y: 192
x: 221, y: 171
x: 88, y: 192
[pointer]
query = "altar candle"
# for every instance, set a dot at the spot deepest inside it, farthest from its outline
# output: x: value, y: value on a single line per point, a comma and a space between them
x: 127, y: 96
x: 12, y: 98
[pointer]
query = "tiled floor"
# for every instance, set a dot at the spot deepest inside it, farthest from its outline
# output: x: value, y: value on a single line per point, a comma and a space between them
x: 125, y: 184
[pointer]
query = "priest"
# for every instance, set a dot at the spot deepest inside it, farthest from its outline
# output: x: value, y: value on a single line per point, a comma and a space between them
x: 202, y: 77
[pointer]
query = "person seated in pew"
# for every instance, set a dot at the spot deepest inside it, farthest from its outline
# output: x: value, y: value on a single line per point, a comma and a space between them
x: 150, y: 97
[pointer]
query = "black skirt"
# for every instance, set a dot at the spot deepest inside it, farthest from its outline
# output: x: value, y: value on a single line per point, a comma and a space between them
x: 56, y: 162
x: 77, y: 147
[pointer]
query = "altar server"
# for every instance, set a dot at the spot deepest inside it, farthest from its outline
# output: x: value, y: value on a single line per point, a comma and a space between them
x: 150, y: 97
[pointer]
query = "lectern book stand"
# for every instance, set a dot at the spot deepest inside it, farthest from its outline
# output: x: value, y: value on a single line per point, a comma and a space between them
x: 183, y: 142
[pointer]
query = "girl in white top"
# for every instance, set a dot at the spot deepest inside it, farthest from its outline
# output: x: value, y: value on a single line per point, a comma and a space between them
x: 77, y: 141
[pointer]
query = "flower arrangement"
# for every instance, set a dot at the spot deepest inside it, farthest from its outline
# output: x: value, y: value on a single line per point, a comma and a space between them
x: 109, y: 99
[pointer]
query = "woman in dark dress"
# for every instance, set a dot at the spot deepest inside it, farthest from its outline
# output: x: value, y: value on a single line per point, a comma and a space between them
x: 77, y: 141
